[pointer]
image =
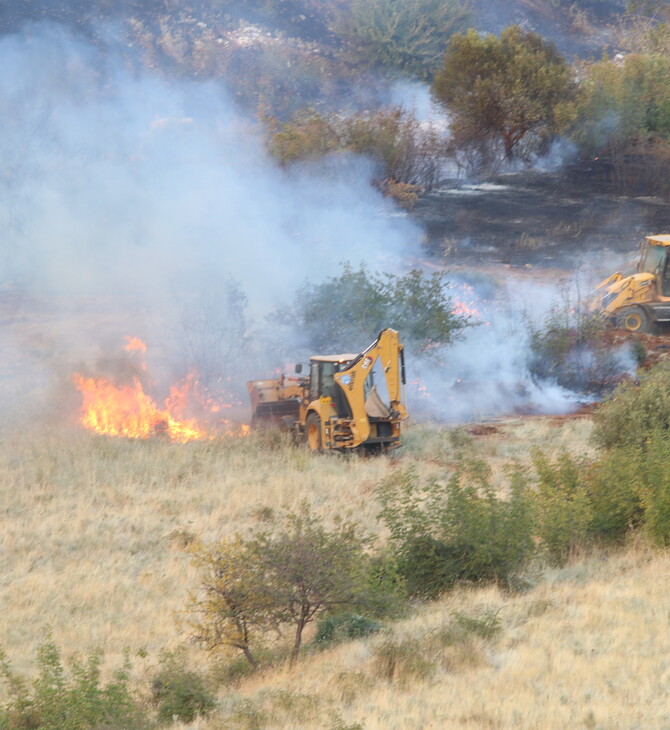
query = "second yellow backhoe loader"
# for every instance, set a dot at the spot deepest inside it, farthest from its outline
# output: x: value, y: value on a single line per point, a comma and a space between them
x: 641, y: 301
x: 339, y: 404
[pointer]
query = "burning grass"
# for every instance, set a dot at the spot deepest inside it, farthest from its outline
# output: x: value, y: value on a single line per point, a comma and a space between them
x: 125, y: 409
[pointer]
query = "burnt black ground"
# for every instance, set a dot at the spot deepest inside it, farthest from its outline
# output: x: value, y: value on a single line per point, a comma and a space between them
x: 538, y: 218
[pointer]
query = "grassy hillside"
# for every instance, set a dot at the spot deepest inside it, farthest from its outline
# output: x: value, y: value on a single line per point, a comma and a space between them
x: 93, y: 536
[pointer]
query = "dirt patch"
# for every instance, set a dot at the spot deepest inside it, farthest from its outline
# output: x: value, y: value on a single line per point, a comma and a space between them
x: 481, y: 429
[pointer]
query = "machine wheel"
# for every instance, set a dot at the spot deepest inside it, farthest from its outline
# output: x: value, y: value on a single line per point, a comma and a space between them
x: 634, y: 319
x: 313, y: 432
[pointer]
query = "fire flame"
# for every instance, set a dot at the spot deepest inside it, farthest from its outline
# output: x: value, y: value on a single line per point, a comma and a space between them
x: 127, y: 411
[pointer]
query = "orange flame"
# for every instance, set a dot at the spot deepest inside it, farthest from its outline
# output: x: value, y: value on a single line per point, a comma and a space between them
x: 134, y: 344
x: 127, y: 411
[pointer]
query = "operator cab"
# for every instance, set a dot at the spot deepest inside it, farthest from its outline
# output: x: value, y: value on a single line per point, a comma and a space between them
x: 322, y: 383
x: 654, y: 260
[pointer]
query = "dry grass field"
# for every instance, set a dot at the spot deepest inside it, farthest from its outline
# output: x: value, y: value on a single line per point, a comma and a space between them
x: 93, y: 530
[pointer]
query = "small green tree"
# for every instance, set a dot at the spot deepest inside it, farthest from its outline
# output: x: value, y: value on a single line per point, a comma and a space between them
x: 275, y: 578
x: 348, y: 310
x: 311, y: 569
x: 234, y: 606
x: 563, y: 506
x: 511, y: 92
x: 408, y: 36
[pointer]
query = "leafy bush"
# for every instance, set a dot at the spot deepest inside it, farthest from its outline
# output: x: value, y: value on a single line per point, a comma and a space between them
x: 343, y: 626
x: 612, y: 482
x: 507, y: 97
x: 405, y: 152
x: 346, y: 310
x: 623, y: 99
x: 634, y: 414
x: 62, y: 700
x: 409, y: 36
x: 456, y: 529
x: 180, y: 693
x: 635, y: 489
x: 564, y: 511
x: 623, y: 117
x: 285, y: 575
x: 569, y: 348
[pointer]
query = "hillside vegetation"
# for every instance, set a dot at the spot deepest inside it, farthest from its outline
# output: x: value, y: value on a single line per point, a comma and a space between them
x: 98, y: 536
x: 492, y: 575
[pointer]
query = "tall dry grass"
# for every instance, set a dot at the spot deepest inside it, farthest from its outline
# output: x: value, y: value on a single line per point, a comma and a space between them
x: 93, y: 531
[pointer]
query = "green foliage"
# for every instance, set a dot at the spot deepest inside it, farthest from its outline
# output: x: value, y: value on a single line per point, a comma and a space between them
x: 486, y: 624
x: 506, y: 95
x: 623, y: 100
x: 352, y: 307
x: 654, y: 488
x: 180, y: 693
x: 623, y: 115
x: 276, y: 577
x: 568, y: 346
x: 634, y: 414
x: 626, y: 488
x: 456, y: 529
x: 310, y: 569
x: 344, y: 626
x: 234, y: 607
x: 403, y: 150
x: 564, y: 511
x: 614, y: 495
x: 69, y: 700
x: 407, y: 36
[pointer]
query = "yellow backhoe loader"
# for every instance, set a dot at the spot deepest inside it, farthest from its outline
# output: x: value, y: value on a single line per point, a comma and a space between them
x: 641, y: 301
x: 339, y: 405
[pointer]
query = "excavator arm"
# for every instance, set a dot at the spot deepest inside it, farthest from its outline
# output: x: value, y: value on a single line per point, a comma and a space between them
x: 388, y: 350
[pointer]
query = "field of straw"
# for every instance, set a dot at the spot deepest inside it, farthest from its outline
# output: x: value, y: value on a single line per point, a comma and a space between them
x: 93, y: 531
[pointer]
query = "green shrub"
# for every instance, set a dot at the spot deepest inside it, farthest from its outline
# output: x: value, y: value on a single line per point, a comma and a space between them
x: 343, y: 626
x: 563, y: 508
x: 613, y: 484
x: 74, y: 700
x: 649, y: 478
x: 486, y: 624
x: 568, y: 347
x: 345, y: 311
x: 180, y: 693
x: 634, y: 415
x: 456, y: 528
x: 409, y: 36
x: 406, y: 153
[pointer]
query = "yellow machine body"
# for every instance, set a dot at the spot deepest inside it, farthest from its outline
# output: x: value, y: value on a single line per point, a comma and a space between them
x: 640, y: 301
x: 338, y: 405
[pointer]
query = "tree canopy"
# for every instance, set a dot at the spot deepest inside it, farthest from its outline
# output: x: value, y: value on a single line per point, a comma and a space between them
x: 409, y: 36
x: 350, y: 309
x: 507, y: 94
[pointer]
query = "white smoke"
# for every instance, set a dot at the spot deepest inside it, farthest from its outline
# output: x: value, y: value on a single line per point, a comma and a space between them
x: 126, y: 195
x: 486, y: 373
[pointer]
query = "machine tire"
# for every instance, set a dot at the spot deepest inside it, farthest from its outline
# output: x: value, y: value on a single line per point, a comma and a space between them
x: 634, y: 319
x: 313, y: 432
